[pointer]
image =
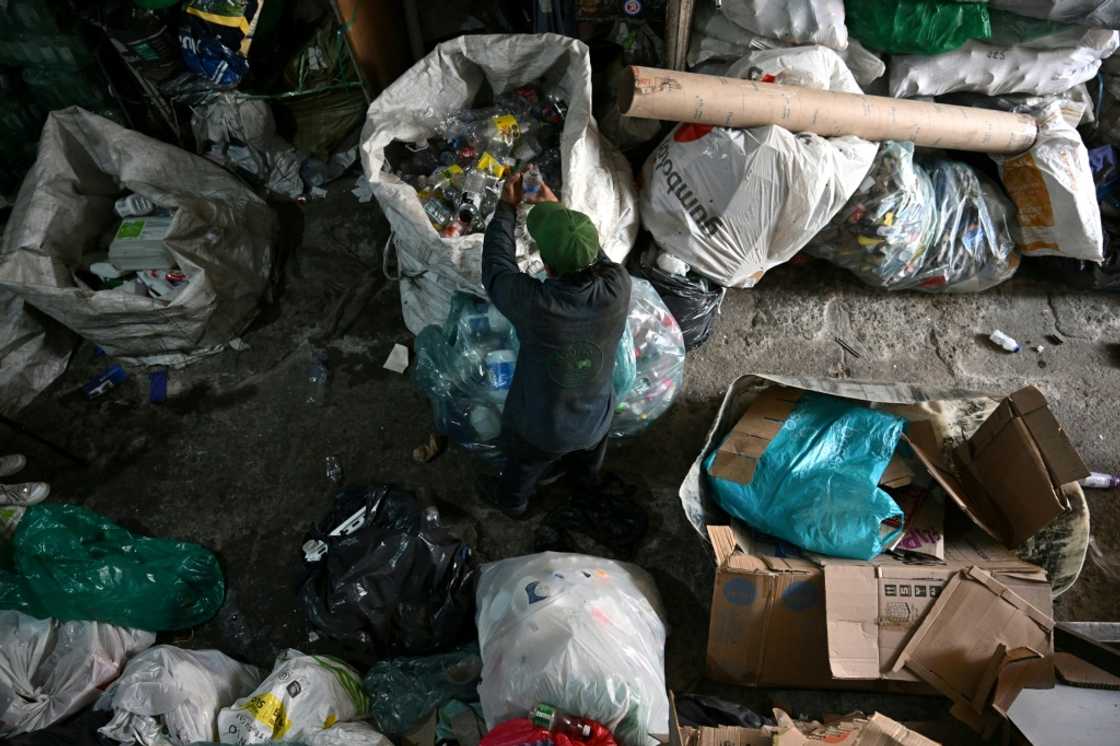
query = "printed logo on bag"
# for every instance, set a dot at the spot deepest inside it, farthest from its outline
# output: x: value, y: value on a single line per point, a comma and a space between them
x: 575, y: 364
x: 269, y: 710
x: 677, y: 185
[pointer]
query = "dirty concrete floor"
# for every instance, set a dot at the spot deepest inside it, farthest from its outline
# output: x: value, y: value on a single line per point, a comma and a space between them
x: 234, y: 460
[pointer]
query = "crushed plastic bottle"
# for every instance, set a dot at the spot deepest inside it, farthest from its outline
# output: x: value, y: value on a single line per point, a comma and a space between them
x: 1000, y: 339
x: 531, y: 183
x: 134, y: 205
x: 1100, y: 481
x: 318, y: 378
x: 334, y: 469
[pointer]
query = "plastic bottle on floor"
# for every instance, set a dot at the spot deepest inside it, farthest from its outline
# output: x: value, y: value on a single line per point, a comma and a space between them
x: 318, y: 378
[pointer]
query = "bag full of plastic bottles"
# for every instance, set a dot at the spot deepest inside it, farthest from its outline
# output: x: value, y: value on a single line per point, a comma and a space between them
x: 466, y: 367
x: 937, y: 226
x: 438, y: 142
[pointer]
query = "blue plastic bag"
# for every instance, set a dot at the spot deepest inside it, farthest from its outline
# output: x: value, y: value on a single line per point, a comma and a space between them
x: 817, y: 483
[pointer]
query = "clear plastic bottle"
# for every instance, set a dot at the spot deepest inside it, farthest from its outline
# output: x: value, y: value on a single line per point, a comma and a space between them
x: 133, y: 205
x: 334, y: 469
x: 318, y: 378
x: 547, y: 717
x: 531, y: 183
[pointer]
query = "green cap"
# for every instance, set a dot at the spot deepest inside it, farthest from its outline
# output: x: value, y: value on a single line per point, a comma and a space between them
x: 567, y: 239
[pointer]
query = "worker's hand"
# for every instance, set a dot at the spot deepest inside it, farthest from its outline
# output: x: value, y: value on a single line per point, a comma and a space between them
x: 511, y: 190
x: 544, y: 195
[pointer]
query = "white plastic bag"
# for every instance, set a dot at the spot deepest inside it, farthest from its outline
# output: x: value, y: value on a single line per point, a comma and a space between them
x: 597, y: 178
x: 167, y: 695
x: 792, y: 21
x: 49, y: 669
x: 716, y: 41
x: 349, y: 734
x: 1105, y: 13
x: 581, y: 633
x: 992, y: 70
x: 732, y: 203
x: 304, y: 694
x: 1053, y: 190
x: 34, y: 351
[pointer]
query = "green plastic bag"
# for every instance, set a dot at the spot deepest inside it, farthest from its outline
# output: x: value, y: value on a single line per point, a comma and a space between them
x: 73, y: 564
x: 916, y: 26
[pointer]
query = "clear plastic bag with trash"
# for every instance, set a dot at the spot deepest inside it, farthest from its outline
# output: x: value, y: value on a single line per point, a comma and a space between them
x: 937, y: 226
x: 466, y: 367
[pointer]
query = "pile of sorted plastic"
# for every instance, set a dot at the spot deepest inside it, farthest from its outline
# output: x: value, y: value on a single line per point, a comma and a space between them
x: 937, y: 227
x: 459, y: 173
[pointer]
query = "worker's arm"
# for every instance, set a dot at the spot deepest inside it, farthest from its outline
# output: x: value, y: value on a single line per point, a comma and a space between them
x: 510, y: 289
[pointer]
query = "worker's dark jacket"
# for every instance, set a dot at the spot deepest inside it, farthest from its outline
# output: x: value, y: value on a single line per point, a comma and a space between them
x: 569, y: 328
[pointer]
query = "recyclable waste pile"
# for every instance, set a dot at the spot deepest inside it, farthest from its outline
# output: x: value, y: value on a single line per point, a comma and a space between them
x: 466, y: 368
x: 941, y: 226
x: 458, y: 174
x: 137, y: 261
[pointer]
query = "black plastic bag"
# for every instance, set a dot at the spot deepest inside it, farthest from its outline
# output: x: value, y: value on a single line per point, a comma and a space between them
x: 399, y: 585
x: 698, y: 710
x: 694, y: 301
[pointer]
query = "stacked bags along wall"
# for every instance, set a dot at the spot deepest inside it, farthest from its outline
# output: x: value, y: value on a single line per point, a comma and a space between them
x: 1021, y: 56
x: 732, y: 203
x: 717, y: 41
x: 596, y: 176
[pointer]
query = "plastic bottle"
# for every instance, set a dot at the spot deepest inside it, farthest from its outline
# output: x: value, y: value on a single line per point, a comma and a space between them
x: 133, y: 206
x: 318, y: 378
x: 1098, y: 481
x: 499, y: 368
x: 547, y: 717
x: 1004, y: 341
x: 334, y: 469
x: 531, y: 183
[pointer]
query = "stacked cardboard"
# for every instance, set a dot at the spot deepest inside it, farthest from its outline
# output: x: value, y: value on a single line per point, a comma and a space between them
x: 963, y: 615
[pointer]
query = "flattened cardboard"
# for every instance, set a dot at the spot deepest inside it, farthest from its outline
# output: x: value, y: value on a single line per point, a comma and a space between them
x: 1077, y: 672
x: 954, y: 646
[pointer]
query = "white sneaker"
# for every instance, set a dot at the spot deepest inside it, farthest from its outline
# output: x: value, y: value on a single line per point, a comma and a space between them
x: 28, y: 493
x: 12, y: 464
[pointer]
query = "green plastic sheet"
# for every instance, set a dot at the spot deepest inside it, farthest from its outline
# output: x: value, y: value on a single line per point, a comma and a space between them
x: 916, y: 26
x: 73, y: 564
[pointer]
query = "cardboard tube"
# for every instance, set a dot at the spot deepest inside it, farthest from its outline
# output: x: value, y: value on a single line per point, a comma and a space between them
x: 651, y: 93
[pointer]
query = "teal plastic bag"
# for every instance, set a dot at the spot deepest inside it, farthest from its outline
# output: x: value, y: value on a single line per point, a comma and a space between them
x: 73, y: 564
x: 916, y: 26
x: 817, y: 483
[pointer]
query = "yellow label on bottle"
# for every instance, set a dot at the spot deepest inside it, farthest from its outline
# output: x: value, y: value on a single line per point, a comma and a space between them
x: 490, y: 165
x: 507, y: 126
x: 269, y: 710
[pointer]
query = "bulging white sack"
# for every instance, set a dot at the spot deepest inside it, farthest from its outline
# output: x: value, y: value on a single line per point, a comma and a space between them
x: 993, y: 70
x: 1053, y: 190
x: 732, y: 203
x: 168, y: 695
x: 597, y: 179
x: 792, y: 21
x: 581, y: 633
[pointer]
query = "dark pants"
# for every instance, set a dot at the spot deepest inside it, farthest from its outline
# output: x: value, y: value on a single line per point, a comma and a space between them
x: 526, y: 464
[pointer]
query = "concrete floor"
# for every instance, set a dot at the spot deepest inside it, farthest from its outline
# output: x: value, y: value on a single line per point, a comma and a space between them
x: 234, y: 459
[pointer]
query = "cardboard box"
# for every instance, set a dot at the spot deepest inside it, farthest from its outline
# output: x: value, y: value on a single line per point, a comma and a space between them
x: 813, y: 621
x: 832, y: 623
